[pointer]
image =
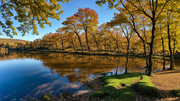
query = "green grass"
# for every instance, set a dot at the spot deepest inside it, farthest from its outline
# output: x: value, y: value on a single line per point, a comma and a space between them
x: 176, y: 92
x: 127, y: 94
x: 145, y: 87
x: 112, y: 83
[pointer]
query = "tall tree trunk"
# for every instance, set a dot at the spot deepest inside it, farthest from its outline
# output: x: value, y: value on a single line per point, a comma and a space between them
x: 170, y: 50
x: 79, y: 38
x: 174, y: 46
x: 164, y: 60
x: 150, y: 60
x: 145, y: 54
x: 150, y: 67
x: 127, y: 55
x: 173, y: 53
x: 87, y: 41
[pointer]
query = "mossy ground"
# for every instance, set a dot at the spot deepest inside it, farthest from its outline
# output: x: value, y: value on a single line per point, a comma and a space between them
x: 145, y: 87
x: 118, y: 87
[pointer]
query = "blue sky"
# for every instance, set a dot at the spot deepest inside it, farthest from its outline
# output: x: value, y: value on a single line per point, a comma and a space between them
x: 104, y: 13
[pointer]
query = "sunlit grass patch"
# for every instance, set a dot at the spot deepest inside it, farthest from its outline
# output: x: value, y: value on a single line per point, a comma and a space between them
x: 127, y: 94
x: 113, y: 83
x: 145, y: 87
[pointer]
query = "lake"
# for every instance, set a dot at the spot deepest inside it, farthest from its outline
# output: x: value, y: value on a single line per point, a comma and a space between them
x: 31, y: 74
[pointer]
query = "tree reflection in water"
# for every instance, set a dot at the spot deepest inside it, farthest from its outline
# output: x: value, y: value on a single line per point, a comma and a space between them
x: 79, y: 68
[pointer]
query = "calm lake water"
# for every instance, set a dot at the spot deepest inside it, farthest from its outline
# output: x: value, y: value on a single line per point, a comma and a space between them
x: 30, y: 74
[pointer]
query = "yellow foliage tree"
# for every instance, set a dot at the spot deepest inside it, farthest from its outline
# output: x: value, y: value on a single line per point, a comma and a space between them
x: 28, y: 12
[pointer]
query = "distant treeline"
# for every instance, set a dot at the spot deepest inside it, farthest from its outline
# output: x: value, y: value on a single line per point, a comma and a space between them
x: 52, y: 41
x: 16, y: 45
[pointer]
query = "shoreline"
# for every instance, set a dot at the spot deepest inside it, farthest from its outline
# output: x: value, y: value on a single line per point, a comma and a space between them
x: 98, y: 84
x: 98, y: 54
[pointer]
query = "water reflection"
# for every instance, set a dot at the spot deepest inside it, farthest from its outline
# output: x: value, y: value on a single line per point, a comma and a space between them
x: 36, y: 73
x: 80, y: 67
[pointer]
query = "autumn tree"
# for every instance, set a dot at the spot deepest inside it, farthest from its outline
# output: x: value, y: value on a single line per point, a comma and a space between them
x: 115, y: 34
x: 125, y: 28
x: 70, y: 37
x: 72, y: 25
x: 61, y: 31
x: 104, y: 35
x: 47, y: 40
x: 161, y: 35
x: 55, y: 39
x: 145, y: 33
x: 88, y: 18
x: 28, y: 12
x: 151, y: 9
x: 172, y: 23
x: 95, y: 35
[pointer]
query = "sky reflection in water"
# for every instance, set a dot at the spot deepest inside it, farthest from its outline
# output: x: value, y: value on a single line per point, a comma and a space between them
x: 28, y: 78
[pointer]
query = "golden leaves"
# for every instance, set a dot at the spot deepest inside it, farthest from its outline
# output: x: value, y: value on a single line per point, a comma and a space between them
x: 38, y: 10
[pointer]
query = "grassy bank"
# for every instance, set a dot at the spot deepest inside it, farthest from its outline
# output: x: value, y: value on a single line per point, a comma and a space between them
x: 124, y: 87
x: 119, y: 87
x: 145, y: 87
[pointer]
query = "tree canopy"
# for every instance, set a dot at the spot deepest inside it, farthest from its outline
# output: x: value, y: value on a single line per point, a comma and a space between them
x: 28, y: 13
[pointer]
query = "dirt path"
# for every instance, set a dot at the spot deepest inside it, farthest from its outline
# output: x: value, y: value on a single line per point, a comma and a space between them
x: 166, y: 81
